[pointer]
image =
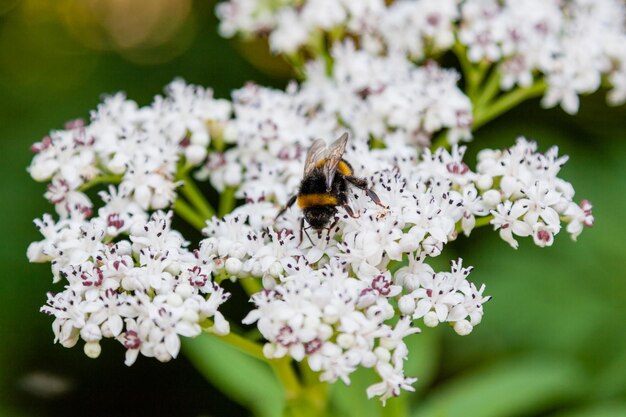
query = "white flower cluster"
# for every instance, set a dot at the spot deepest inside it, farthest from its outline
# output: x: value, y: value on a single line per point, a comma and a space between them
x: 127, y: 275
x: 329, y: 297
x: 144, y: 291
x: 533, y: 200
x: 141, y: 146
x: 411, y: 27
x: 379, y: 98
x: 376, y: 95
x: 572, y: 43
x: 518, y: 186
x: 331, y: 300
x: 339, y: 323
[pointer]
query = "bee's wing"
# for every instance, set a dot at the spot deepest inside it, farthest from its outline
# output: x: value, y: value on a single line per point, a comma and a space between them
x: 333, y: 157
x: 316, y: 152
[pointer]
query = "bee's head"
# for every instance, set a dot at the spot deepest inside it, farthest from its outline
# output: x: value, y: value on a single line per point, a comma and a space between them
x: 318, y: 217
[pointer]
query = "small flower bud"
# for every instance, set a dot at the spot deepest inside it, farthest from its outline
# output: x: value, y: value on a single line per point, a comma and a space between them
x: 159, y: 201
x: 345, y: 340
x: 311, y: 322
x: 42, y: 171
x: 233, y: 266
x: 238, y: 251
x: 431, y: 319
x: 382, y: 354
x: 492, y: 198
x: 123, y: 248
x: 221, y: 326
x: 174, y: 300
x: 325, y: 331
x: 463, y: 327
x: 35, y: 253
x: 269, y: 350
x: 195, y: 154
x: 368, y: 359
x: 117, y: 165
x: 387, y: 343
x: 484, y: 182
x: 174, y: 268
x: 406, y: 304
x: 161, y: 353
x: 191, y: 316
x: 275, y: 269
x: 185, y: 290
x: 256, y: 270
x: 92, y: 349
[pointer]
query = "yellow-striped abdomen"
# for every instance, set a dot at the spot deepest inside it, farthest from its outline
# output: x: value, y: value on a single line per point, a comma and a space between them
x: 311, y: 200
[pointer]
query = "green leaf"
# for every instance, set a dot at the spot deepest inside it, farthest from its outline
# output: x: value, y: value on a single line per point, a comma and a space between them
x: 351, y: 400
x: 611, y: 380
x: 514, y: 386
x: 600, y: 410
x: 423, y: 360
x: 246, y: 380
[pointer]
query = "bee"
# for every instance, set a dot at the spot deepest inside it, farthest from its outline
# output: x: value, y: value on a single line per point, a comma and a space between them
x: 325, y: 184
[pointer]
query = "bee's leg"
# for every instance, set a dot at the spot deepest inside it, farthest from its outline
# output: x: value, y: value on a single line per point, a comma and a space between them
x: 362, y: 184
x: 371, y: 194
x: 348, y: 210
x: 330, y: 229
x: 303, y: 231
x: 284, y: 209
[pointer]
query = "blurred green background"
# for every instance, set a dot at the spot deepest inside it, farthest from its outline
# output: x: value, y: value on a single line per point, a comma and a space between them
x: 553, y: 340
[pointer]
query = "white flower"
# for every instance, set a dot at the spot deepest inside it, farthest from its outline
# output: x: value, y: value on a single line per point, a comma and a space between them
x: 507, y: 219
x: 579, y: 215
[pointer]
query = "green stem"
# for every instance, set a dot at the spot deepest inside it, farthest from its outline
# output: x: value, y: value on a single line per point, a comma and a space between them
x: 217, y: 141
x: 250, y: 285
x: 473, y: 73
x: 285, y: 372
x: 316, y: 390
x: 187, y: 213
x: 506, y: 102
x: 246, y: 346
x: 191, y: 191
x: 296, y: 62
x: 227, y: 201
x: 102, y: 179
x: 319, y: 49
x: 490, y: 90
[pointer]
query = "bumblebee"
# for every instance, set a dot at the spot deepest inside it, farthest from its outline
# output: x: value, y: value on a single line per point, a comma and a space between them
x: 325, y: 183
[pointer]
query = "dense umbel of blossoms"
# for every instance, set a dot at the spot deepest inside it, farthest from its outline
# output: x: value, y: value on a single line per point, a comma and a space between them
x: 384, y: 98
x: 342, y: 298
x: 141, y: 146
x: 145, y: 291
x: 573, y: 44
